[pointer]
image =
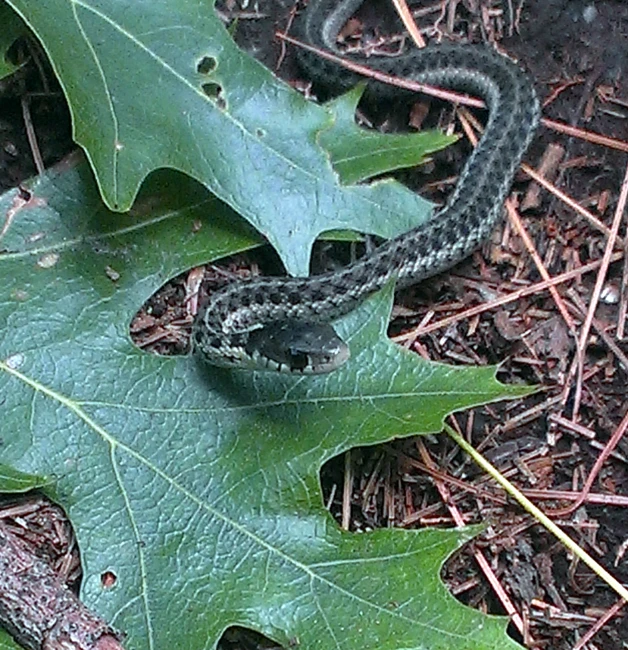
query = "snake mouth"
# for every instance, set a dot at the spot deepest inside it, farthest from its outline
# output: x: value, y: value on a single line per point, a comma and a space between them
x: 297, y: 346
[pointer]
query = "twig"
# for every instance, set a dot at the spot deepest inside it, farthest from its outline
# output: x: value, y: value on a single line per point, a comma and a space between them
x: 540, y: 516
x: 408, y: 22
x: 39, y: 610
x: 32, y: 137
x: 347, y: 492
x: 602, y: 458
x: 599, y: 624
x: 599, y: 283
x: 504, y: 300
x: 565, y: 198
x: 477, y: 554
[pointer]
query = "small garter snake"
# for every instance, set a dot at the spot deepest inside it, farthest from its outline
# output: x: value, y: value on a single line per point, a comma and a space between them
x: 284, y: 323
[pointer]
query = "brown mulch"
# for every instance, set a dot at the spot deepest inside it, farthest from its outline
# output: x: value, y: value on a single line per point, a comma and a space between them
x: 542, y: 300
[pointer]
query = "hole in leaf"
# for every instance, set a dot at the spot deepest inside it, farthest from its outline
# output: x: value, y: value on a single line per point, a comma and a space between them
x: 260, y: 133
x: 238, y: 637
x: 206, y: 65
x: 163, y: 324
x: 214, y: 92
x: 108, y: 579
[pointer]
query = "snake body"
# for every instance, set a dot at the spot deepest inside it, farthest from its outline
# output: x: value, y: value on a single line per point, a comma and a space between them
x: 284, y: 323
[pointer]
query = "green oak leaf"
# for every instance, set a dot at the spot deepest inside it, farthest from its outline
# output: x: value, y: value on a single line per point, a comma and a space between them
x: 11, y: 28
x: 358, y: 154
x: 12, y: 481
x: 7, y: 643
x: 198, y: 487
x: 162, y: 84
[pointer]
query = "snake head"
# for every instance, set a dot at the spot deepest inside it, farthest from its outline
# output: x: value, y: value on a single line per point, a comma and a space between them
x: 281, y: 345
x: 297, y: 346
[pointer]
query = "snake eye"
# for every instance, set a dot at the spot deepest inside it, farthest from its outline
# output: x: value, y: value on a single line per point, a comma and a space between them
x: 298, y: 346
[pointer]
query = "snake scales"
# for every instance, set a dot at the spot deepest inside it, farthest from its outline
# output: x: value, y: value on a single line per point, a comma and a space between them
x: 284, y: 323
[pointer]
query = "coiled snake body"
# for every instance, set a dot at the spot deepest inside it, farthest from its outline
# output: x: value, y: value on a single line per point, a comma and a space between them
x: 284, y: 323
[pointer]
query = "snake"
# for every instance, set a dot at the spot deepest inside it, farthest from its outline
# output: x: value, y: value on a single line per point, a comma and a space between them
x: 285, y: 323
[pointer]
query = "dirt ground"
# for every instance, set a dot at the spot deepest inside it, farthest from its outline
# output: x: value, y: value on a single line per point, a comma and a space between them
x: 570, y: 342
